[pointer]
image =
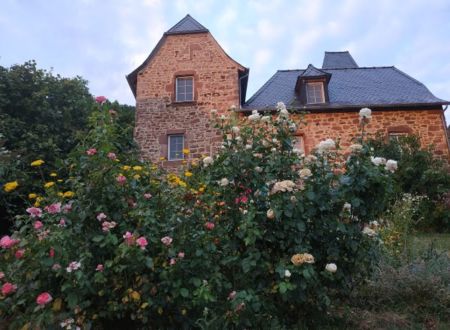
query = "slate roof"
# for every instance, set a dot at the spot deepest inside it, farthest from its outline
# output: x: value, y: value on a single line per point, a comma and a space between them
x: 338, y: 60
x: 187, y: 25
x: 347, y: 88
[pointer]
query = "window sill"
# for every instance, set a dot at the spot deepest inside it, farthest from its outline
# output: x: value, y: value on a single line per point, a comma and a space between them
x: 184, y: 102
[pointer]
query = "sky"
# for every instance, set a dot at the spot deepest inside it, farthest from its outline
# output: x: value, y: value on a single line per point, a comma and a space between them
x: 104, y: 40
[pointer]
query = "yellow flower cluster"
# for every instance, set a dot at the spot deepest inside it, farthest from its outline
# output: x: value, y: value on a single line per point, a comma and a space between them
x: 38, y: 201
x: 10, y: 186
x: 49, y: 184
x: 38, y: 162
x: 174, y: 179
x: 301, y: 258
x: 68, y: 194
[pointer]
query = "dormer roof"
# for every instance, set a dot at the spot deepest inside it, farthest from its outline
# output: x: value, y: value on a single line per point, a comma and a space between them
x: 312, y: 72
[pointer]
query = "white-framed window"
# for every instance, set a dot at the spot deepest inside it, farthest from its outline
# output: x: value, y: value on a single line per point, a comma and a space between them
x: 184, y: 89
x: 315, y: 93
x: 395, y: 136
x: 298, y: 143
x: 175, y: 145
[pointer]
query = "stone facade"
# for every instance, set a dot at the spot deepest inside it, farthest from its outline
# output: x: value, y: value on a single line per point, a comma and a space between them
x: 429, y: 124
x: 216, y: 86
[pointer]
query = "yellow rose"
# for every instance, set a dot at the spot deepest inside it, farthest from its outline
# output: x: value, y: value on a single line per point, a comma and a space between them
x: 38, y: 162
x: 53, y: 174
x: 49, y: 184
x: 32, y: 196
x: 186, y: 151
x: 188, y: 174
x: 135, y: 296
x: 68, y: 194
x: 10, y: 186
x: 136, y: 176
x: 60, y: 194
x: 300, y: 258
x: 126, y: 167
x: 137, y: 168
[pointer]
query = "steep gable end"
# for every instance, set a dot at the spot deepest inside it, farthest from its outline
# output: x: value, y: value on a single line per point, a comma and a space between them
x: 187, y: 25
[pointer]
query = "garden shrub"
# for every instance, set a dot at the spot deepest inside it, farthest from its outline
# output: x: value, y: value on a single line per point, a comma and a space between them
x: 258, y: 236
x: 419, y: 174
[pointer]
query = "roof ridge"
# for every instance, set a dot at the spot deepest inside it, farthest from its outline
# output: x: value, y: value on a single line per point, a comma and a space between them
x: 188, y: 19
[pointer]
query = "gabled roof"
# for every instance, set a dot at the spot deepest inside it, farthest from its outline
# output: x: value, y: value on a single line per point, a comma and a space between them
x: 347, y: 88
x: 187, y: 25
x: 312, y: 71
x: 338, y: 60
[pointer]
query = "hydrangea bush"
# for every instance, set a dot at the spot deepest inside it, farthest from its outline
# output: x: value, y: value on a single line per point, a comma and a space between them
x: 258, y: 236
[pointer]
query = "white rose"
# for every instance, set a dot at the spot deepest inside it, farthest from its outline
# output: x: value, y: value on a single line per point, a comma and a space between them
x: 281, y: 106
x: 305, y: 173
x: 292, y: 127
x: 287, y: 273
x: 325, y: 146
x: 391, y: 165
x: 258, y: 169
x: 378, y: 160
x: 223, y: 117
x: 369, y: 232
x: 355, y: 147
x: 365, y: 113
x: 224, y: 182
x: 235, y: 129
x: 207, y: 161
x: 332, y: 268
x: 248, y: 146
x: 347, y: 207
x: 255, y: 116
x: 265, y: 119
x: 270, y: 214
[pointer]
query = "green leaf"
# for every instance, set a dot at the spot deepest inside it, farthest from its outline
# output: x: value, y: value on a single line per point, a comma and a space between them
x: 184, y: 292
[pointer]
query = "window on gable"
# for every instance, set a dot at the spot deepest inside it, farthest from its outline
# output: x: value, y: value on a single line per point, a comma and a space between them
x: 176, y: 145
x: 315, y: 93
x: 184, y: 89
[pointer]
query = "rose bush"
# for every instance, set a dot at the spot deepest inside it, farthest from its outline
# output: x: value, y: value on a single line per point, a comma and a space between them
x: 257, y: 236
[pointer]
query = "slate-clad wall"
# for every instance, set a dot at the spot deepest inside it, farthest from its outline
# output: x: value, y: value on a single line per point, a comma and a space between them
x: 429, y: 124
x: 215, y: 87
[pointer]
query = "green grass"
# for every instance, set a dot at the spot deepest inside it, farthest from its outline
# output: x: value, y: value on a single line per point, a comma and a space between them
x: 422, y: 242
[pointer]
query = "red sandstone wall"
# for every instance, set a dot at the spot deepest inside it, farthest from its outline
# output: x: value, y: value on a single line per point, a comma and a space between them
x: 429, y: 124
x: 215, y: 87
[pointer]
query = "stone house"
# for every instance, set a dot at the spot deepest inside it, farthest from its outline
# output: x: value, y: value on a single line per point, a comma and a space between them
x: 187, y: 74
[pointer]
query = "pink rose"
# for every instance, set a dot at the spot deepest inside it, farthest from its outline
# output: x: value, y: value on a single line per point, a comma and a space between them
x: 181, y: 254
x: 232, y: 295
x: 172, y: 261
x: 19, y: 253
x: 121, y: 179
x: 67, y: 208
x: 107, y: 226
x: 101, y: 216
x: 8, y: 288
x: 44, y: 298
x: 6, y: 242
x: 35, y: 212
x: 142, y: 242
x: 100, y: 99
x: 53, y: 208
x: 129, y: 238
x: 2, y: 275
x: 99, y: 268
x: 91, y: 152
x: 56, y: 267
x: 62, y: 222
x: 38, y: 225
x: 147, y: 195
x: 209, y: 225
x: 166, y: 240
x: 74, y: 265
x: 51, y: 253
x: 112, y: 156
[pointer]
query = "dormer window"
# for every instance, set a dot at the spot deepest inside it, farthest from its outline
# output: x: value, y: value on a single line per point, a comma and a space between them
x: 184, y: 89
x: 315, y: 93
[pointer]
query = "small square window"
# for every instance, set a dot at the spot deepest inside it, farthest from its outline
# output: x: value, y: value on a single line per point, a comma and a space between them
x: 315, y: 93
x: 395, y: 136
x: 184, y: 89
x: 176, y: 145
